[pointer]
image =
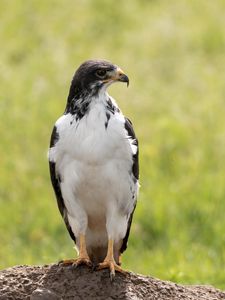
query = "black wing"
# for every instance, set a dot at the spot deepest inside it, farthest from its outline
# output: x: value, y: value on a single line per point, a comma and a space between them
x: 55, y: 179
x: 135, y: 171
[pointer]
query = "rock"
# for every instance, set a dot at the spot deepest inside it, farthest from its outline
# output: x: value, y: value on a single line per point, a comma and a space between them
x: 44, y: 294
x: 53, y: 282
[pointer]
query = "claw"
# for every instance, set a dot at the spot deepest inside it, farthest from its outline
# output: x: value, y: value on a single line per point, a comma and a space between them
x: 66, y: 262
x: 83, y: 258
x: 112, y: 266
x: 82, y: 261
x: 109, y: 262
x: 76, y: 262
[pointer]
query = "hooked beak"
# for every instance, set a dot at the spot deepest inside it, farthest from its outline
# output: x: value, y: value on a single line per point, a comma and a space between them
x: 117, y: 75
x: 121, y: 76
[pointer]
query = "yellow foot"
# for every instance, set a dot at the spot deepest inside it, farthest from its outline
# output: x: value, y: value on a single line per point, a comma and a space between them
x: 76, y: 262
x: 112, y: 266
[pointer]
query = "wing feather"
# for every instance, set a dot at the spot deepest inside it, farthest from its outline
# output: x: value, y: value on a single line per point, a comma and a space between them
x: 135, y: 172
x: 55, y: 179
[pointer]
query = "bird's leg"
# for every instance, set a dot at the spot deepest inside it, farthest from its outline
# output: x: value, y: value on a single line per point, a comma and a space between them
x: 109, y: 262
x: 120, y: 260
x: 83, y: 257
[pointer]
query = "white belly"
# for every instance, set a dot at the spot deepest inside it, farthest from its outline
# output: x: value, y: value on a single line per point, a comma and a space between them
x: 96, y: 186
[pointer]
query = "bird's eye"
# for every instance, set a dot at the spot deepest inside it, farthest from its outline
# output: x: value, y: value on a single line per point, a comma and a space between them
x: 101, y: 73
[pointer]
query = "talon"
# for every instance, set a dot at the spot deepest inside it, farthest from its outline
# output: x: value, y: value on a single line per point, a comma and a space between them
x: 82, y: 261
x: 83, y: 258
x: 76, y: 262
x: 112, y: 266
x: 66, y: 262
x: 110, y: 263
x: 112, y: 275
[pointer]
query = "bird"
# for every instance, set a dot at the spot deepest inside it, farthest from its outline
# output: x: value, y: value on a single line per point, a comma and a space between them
x: 94, y: 169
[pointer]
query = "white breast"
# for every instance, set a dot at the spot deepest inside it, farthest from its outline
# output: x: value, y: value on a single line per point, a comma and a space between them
x: 94, y: 163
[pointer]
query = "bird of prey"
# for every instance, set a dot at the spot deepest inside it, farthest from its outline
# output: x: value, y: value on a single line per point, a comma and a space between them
x: 93, y: 159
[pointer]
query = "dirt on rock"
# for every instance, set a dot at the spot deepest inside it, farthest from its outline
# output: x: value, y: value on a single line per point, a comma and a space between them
x: 54, y: 282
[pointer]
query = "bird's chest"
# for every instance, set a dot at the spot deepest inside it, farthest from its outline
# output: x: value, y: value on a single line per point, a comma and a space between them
x: 93, y: 157
x: 92, y: 140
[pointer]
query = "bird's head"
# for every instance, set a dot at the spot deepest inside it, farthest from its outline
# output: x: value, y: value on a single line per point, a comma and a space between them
x: 95, y: 75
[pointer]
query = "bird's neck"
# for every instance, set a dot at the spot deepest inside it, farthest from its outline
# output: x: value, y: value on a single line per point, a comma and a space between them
x: 80, y: 104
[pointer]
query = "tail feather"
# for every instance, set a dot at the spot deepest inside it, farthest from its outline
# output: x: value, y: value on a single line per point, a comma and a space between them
x: 98, y: 254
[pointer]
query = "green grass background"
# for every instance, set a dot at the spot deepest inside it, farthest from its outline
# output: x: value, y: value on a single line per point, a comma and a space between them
x: 173, y: 52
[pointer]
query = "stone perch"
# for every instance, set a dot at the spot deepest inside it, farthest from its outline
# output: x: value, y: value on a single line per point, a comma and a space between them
x: 53, y: 282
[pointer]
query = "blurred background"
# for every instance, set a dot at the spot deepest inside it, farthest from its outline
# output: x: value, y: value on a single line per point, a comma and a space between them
x: 173, y: 52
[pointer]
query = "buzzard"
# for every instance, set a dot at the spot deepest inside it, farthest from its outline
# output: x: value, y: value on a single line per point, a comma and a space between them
x: 93, y: 160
